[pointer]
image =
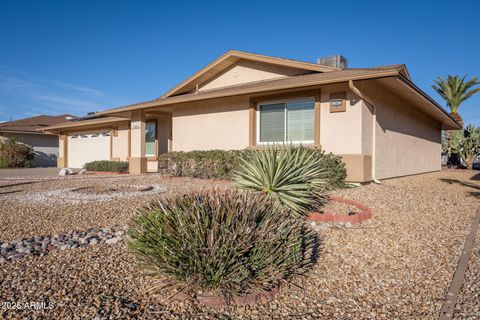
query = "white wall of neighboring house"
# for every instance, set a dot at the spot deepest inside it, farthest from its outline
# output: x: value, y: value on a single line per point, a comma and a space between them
x: 45, y: 147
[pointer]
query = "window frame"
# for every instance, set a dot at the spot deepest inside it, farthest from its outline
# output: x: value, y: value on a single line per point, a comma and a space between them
x: 285, y: 114
x: 153, y: 121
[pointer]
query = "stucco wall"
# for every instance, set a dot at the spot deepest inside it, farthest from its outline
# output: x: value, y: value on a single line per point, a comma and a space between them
x: 164, y: 132
x: 214, y: 124
x: 407, y: 140
x: 120, y: 143
x: 45, y: 147
x: 249, y: 71
x: 341, y: 132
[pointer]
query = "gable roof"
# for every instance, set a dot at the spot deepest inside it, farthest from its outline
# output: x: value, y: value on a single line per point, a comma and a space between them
x: 314, y: 76
x: 267, y: 85
x: 230, y: 58
x: 34, y: 123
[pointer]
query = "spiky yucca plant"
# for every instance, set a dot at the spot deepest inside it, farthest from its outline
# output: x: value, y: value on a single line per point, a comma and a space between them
x: 291, y: 176
x: 227, y: 243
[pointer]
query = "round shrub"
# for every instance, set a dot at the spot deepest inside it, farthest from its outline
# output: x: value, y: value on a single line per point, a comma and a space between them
x: 225, y: 243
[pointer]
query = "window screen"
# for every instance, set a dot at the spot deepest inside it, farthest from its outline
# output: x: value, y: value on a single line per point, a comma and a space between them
x: 287, y: 122
x: 272, y: 122
x: 300, y: 120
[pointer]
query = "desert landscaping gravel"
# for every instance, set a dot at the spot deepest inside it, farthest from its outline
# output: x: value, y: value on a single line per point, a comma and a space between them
x: 396, y: 266
x: 39, y: 207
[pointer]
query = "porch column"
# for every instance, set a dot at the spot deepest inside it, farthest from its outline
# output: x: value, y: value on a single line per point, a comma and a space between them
x: 62, y: 159
x: 138, y: 160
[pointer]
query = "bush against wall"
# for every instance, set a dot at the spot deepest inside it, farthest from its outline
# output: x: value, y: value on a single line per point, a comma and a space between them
x: 107, y: 166
x: 220, y: 164
x: 14, y: 154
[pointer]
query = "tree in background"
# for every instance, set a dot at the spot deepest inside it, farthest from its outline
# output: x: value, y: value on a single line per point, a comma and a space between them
x: 15, y: 155
x: 455, y: 90
x: 464, y: 144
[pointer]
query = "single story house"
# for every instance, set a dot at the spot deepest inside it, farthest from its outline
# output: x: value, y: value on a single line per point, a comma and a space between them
x: 45, y: 144
x: 376, y: 118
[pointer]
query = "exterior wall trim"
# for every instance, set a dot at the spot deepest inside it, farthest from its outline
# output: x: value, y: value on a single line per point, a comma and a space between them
x: 359, y: 167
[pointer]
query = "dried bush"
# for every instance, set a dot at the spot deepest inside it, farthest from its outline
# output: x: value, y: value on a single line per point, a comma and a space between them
x: 229, y: 243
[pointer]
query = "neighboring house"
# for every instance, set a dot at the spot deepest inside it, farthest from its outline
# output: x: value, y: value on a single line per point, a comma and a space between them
x: 381, y: 123
x: 45, y: 145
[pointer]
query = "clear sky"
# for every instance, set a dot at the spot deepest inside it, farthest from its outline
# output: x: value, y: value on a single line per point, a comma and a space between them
x: 78, y: 56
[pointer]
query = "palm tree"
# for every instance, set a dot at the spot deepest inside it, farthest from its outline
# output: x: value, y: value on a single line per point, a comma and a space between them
x: 456, y: 90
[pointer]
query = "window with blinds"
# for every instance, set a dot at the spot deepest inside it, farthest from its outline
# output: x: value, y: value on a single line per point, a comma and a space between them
x: 291, y: 121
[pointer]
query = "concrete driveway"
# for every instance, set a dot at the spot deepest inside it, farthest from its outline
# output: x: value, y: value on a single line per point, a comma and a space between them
x: 28, y: 172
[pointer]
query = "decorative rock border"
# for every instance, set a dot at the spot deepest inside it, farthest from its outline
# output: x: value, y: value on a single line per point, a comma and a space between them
x: 43, y: 245
x: 249, y: 299
x: 332, y: 218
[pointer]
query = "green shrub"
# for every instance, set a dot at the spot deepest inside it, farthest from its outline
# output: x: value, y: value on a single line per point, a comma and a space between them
x: 228, y: 243
x: 335, y: 171
x: 14, y: 154
x: 209, y: 164
x: 291, y: 176
x: 107, y: 166
x: 221, y: 164
x: 3, y: 163
x: 464, y: 144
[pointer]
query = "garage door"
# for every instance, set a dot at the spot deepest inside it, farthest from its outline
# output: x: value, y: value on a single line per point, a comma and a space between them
x: 88, y: 146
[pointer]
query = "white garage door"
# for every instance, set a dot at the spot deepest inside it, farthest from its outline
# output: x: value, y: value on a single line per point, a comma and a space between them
x: 88, y: 146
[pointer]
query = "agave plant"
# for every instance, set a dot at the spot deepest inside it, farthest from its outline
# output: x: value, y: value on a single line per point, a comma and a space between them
x: 227, y: 243
x: 291, y: 176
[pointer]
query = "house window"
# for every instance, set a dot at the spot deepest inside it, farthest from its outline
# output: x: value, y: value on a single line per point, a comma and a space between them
x: 284, y: 122
x: 150, y: 137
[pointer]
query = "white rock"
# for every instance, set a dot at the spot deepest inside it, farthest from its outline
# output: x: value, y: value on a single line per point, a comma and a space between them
x: 65, y: 172
x: 83, y: 171
x: 113, y: 240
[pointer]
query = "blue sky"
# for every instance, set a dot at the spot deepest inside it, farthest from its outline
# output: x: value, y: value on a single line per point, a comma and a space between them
x: 80, y: 56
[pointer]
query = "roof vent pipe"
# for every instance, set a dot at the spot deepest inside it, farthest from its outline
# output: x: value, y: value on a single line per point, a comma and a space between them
x: 336, y: 61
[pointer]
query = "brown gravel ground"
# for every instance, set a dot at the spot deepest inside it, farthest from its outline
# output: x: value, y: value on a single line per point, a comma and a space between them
x: 24, y: 216
x: 397, y: 266
x: 468, y: 302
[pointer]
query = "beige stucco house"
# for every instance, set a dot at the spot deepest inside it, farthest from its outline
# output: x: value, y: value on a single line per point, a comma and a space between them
x: 381, y: 123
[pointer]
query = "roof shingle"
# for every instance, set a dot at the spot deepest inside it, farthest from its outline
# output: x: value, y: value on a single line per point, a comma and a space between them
x: 34, y: 123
